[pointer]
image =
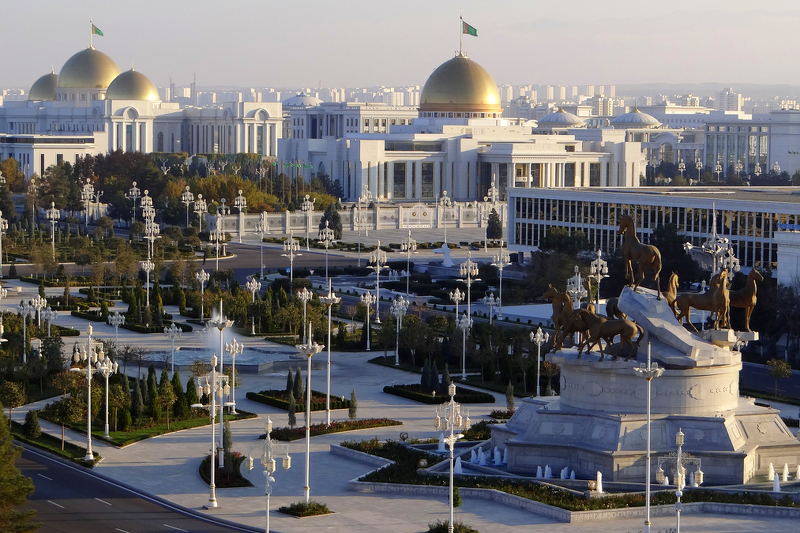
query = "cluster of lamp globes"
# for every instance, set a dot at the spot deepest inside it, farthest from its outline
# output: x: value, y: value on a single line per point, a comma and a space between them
x: 96, y: 358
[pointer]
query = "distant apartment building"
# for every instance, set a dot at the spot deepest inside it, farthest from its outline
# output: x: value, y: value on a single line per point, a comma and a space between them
x: 727, y: 100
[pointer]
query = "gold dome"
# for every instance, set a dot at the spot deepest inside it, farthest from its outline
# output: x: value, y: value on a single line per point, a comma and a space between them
x: 132, y: 85
x: 460, y: 85
x: 88, y: 69
x: 44, y: 89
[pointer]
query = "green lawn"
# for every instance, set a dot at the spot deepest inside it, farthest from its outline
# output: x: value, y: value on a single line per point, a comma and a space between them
x: 52, y: 445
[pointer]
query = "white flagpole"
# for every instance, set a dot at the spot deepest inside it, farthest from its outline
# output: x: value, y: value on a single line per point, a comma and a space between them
x: 461, y: 33
x: 91, y: 33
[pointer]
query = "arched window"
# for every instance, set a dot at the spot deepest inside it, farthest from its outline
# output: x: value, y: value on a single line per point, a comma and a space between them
x: 160, y: 142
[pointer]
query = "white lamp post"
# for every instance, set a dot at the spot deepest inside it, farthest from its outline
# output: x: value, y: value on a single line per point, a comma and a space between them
x: 648, y: 372
x: 116, y: 319
x: 491, y: 301
x: 469, y: 270
x: 25, y: 309
x: 361, y: 216
x: 599, y: 270
x: 490, y: 202
x: 133, y: 194
x: 151, y: 230
x: 53, y: 215
x: 38, y: 303
x: 89, y: 356
x: 221, y: 323
x: 681, y: 166
x: 377, y: 260
x: 698, y: 164
x: 575, y: 288
x: 291, y: 246
x: 240, y: 203
x: 172, y: 332
x: 49, y: 315
x: 326, y: 235
x: 105, y: 367
x: 3, y: 229
x: 409, y: 246
x: 368, y: 299
x: 233, y: 348
x: 445, y: 203
x: 269, y: 450
x: 200, y: 208
x: 187, y: 198
x: 216, y: 384
x: 738, y: 168
x: 539, y: 338
x: 87, y: 193
x: 457, y: 296
x: 329, y: 300
x: 308, y: 348
x: 202, y: 277
x: 453, y: 420
x: 148, y: 267
x: 254, y: 286
x: 219, y: 230
x: 464, y: 323
x: 308, y: 208
x: 501, y: 260
x: 304, y: 295
x: 262, y: 228
x: 398, y: 311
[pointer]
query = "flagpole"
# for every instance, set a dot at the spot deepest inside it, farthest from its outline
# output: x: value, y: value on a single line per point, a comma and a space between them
x: 91, y: 33
x: 460, y: 33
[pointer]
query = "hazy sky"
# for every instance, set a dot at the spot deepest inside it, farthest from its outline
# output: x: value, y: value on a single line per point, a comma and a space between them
x: 360, y: 43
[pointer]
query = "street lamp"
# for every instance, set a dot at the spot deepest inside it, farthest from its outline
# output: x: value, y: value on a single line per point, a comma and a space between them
x: 308, y: 207
x: 172, y: 332
x: 89, y: 356
x: 133, y: 194
x: 200, y: 208
x: 329, y: 300
x: 681, y: 166
x: 718, y: 169
x: 378, y: 260
x: 116, y: 319
x: 648, y: 371
x: 105, y: 367
x: 254, y: 286
x: 219, y: 232
x: 53, y: 215
x: 3, y: 229
x: 445, y: 203
x: 38, y: 303
x: 212, y: 385
x: 599, y: 270
x: 49, y: 315
x: 501, y: 260
x: 304, y: 295
x: 457, y: 296
x: 269, y: 450
x: 738, y: 168
x: 680, y: 460
x: 463, y: 323
x: 539, y: 338
x: 409, y: 246
x: 221, y: 323
x: 151, y: 230
x: 202, y: 277
x: 148, y: 267
x: 368, y: 299
x: 187, y: 198
x: 453, y: 421
x: 491, y: 301
x: 575, y: 287
x: 776, y: 169
x: 698, y: 165
x: 262, y: 228
x: 291, y: 246
x: 25, y: 309
x: 469, y: 269
x: 361, y: 216
x: 240, y: 203
x: 326, y: 235
x: 398, y: 311
x: 308, y: 348
x: 87, y: 193
x: 233, y: 348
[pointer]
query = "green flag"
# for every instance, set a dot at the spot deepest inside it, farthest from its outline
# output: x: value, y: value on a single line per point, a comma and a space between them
x: 96, y: 31
x: 468, y: 30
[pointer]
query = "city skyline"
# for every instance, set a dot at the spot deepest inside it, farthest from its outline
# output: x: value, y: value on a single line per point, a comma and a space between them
x: 355, y: 44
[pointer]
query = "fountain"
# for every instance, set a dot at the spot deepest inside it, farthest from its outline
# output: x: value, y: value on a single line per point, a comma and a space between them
x: 482, y: 455
x: 457, y: 468
x: 776, y: 484
x: 498, y: 458
x: 548, y: 474
x: 441, y: 447
x: 505, y: 456
x: 599, y: 482
x: 785, y: 476
x: 473, y: 457
x: 539, y: 472
x: 572, y: 475
x: 771, y: 474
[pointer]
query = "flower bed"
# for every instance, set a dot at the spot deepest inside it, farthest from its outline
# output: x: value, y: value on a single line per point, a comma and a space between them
x: 304, y: 509
x: 289, y: 434
x: 415, y: 392
x: 280, y: 399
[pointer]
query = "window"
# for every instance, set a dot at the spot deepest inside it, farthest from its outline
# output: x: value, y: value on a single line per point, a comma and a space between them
x: 399, y: 180
x: 427, y: 180
x: 413, y: 179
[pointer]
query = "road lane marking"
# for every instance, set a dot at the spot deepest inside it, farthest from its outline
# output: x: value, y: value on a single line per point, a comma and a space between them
x: 102, y: 501
x: 175, y: 528
x: 47, y: 478
x: 121, y: 530
x: 54, y: 503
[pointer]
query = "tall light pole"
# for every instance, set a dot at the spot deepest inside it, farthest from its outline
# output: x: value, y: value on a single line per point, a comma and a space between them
x: 106, y: 367
x: 172, y: 332
x: 200, y: 209
x: 116, y: 319
x: 87, y: 193
x: 453, y: 421
x: 240, y: 203
x: 133, y: 194
x: 38, y: 303
x: 148, y: 267
x: 491, y: 301
x: 291, y: 246
x: 378, y: 261
x: 539, y: 338
x: 187, y: 198
x: 304, y: 295
x: 3, y: 229
x: 457, y: 296
x: 89, y: 356
x: 53, y: 215
x: 308, y: 208
x: 469, y: 269
x: 698, y: 164
x: 575, y: 287
x: 216, y: 384
x: 681, y: 166
x: 262, y: 228
x: 219, y: 231
x: 738, y: 168
x: 233, y: 348
x: 361, y: 216
x: 599, y: 270
x: 202, y: 277
x: 398, y: 311
x: 409, y: 246
x: 368, y: 299
x: 25, y: 309
x: 445, y: 203
x: 49, y: 315
x: 464, y: 323
x: 221, y: 323
x: 326, y: 235
x: 308, y: 348
x: 680, y: 459
x: 254, y: 286
x: 501, y: 260
x: 329, y: 300
x: 648, y: 372
x: 269, y: 450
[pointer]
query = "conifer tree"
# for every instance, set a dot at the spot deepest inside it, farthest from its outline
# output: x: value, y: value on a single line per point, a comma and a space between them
x: 298, y: 385
x: 352, y: 411
x: 289, y: 381
x: 180, y: 408
x: 31, y: 426
x: 14, y: 486
x: 191, y: 392
x: 137, y: 403
x: 292, y: 410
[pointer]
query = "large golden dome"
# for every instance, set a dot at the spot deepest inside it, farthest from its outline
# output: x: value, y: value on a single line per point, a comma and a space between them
x: 132, y: 85
x: 44, y: 89
x: 460, y: 85
x: 88, y: 69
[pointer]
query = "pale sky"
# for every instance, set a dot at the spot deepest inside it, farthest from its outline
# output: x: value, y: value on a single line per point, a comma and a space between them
x: 351, y: 43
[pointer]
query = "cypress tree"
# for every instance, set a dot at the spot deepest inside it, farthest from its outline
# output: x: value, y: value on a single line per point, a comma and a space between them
x: 144, y: 390
x: 137, y: 405
x: 154, y: 405
x: 291, y: 410
x: 289, y: 382
x: 424, y: 380
x: 180, y: 408
x: 191, y: 392
x: 434, y: 377
x: 126, y: 387
x: 31, y: 426
x: 352, y: 411
x: 164, y: 377
x: 446, y: 379
x: 14, y: 486
x: 298, y: 385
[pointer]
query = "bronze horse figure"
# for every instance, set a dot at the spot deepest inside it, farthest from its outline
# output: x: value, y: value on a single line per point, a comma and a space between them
x: 645, y: 255
x: 672, y: 292
x: 707, y: 301
x: 601, y: 328
x: 746, y: 297
x: 562, y: 309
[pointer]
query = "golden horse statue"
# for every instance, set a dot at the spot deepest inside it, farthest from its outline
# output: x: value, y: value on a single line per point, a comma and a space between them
x: 672, y: 292
x: 707, y: 301
x: 602, y: 328
x: 645, y: 255
x: 746, y: 297
x: 562, y: 309
x: 613, y: 310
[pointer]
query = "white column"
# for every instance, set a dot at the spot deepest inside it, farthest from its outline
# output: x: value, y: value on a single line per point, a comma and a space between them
x: 603, y: 174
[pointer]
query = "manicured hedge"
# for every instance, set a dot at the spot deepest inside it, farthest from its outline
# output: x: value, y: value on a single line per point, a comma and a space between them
x: 64, y: 332
x: 51, y: 283
x: 156, y: 329
x: 337, y: 426
x: 414, y: 392
x: 94, y: 317
x: 267, y: 397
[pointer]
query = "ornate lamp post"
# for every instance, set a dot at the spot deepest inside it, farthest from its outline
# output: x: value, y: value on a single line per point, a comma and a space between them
x: 738, y: 168
x: 221, y: 323
x: 398, y: 311
x: 489, y: 203
x: 308, y: 348
x: 106, y: 367
x: 445, y: 203
x: 464, y: 323
x: 457, y: 296
x: 200, y: 208
x: 53, y: 215
x: 648, y: 372
x: 262, y: 228
x: 599, y: 270
x: 680, y: 460
x: 329, y: 300
x: 90, y: 357
x: 501, y: 260
x: 308, y: 208
x: 698, y: 165
x: 212, y: 385
x: 681, y: 166
x: 133, y: 194
x: 469, y: 270
x: 757, y: 170
x: 776, y: 169
x: 147, y: 202
x: 87, y: 193
x: 148, y: 267
x: 491, y: 301
x: 3, y: 229
x: 409, y: 246
x: 718, y: 169
x: 453, y: 421
x: 269, y: 450
x: 38, y: 303
x: 361, y: 216
x: 254, y: 286
x: 187, y: 198
x: 219, y: 230
x: 202, y: 277
x: 291, y: 246
x: 240, y: 203
x: 151, y: 230
x: 326, y: 237
x: 116, y: 319
x: 377, y: 260
x: 304, y: 295
x: 233, y: 348
x: 25, y: 309
x: 172, y: 332
x: 49, y: 315
x: 575, y: 287
x: 368, y: 299
x: 539, y: 338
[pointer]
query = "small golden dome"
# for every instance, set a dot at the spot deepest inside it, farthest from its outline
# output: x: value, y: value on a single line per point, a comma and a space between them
x: 44, y: 89
x: 132, y: 85
x: 88, y: 69
x: 460, y: 85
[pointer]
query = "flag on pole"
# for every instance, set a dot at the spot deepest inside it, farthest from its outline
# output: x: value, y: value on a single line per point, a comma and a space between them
x: 466, y: 29
x: 96, y: 31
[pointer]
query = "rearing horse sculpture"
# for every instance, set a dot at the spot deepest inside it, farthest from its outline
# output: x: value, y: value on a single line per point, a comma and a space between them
x: 645, y: 255
x: 746, y: 296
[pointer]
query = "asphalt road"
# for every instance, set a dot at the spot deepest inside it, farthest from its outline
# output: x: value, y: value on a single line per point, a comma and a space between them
x: 756, y: 377
x: 69, y: 499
